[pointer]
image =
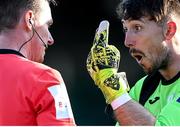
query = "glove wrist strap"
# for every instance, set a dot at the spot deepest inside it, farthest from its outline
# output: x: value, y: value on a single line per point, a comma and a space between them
x: 120, y: 101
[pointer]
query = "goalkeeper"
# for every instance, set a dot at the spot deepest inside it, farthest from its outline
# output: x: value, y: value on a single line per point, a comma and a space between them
x: 152, y: 36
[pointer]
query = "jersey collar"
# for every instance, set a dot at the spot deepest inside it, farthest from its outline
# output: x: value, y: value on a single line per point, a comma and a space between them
x: 168, y: 82
x: 10, y: 51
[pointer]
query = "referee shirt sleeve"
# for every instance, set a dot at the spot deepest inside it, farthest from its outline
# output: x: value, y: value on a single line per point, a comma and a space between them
x: 51, y: 101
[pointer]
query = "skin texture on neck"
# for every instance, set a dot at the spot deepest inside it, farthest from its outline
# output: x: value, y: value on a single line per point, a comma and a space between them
x: 11, y: 39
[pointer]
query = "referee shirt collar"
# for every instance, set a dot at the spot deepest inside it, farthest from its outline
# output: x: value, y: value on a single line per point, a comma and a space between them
x: 10, y: 51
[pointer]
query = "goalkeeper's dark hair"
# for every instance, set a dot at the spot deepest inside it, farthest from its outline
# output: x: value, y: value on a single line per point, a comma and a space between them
x: 11, y: 10
x: 157, y: 10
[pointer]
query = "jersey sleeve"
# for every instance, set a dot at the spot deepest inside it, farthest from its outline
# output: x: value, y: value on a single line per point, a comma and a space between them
x: 170, y: 114
x: 50, y: 100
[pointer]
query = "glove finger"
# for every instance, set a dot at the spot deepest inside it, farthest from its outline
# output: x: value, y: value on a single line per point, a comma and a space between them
x: 102, y: 34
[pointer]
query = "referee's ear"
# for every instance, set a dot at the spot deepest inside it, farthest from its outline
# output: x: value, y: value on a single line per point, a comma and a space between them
x: 171, y: 30
x: 29, y: 19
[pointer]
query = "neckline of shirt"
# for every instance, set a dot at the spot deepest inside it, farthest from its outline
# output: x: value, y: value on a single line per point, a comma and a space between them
x: 10, y: 51
x: 168, y: 82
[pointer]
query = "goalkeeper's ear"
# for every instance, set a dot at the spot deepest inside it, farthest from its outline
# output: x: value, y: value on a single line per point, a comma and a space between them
x: 170, y: 30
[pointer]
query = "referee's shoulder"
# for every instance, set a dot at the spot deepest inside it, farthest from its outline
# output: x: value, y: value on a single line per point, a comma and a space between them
x: 35, y: 67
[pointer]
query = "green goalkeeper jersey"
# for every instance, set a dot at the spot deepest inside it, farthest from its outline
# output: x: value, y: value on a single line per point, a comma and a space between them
x: 164, y: 102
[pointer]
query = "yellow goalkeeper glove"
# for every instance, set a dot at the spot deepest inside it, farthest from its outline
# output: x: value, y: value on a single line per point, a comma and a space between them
x: 103, y: 63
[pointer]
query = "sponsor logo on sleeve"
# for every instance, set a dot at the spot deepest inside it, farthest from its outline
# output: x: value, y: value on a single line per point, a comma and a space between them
x: 62, y: 104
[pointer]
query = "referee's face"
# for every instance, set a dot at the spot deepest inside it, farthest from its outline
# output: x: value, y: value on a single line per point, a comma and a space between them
x: 42, y: 36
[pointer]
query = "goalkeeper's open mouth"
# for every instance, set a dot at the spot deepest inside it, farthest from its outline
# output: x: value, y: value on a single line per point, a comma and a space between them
x: 137, y: 56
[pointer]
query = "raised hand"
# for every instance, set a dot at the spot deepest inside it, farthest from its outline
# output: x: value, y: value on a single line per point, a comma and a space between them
x: 102, y: 65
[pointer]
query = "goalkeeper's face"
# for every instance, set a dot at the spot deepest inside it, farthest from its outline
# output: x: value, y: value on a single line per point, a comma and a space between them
x: 146, y: 43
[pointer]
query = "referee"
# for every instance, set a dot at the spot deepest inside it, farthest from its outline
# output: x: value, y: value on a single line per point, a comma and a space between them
x: 30, y: 93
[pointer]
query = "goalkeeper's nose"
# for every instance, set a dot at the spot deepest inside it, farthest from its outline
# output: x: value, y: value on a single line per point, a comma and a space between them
x: 130, y: 40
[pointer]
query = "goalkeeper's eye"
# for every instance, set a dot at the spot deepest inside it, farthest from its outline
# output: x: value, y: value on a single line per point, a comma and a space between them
x: 137, y: 28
